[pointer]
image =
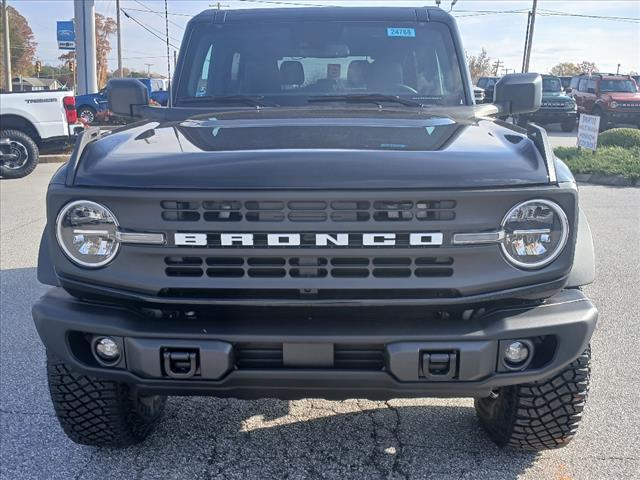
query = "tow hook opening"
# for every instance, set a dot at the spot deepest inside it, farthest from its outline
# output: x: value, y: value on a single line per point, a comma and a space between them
x: 439, y: 365
x: 180, y: 363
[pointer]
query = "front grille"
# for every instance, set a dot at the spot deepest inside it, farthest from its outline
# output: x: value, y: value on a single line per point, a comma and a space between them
x: 230, y: 211
x: 252, y: 356
x: 555, y: 105
x: 277, y: 294
x: 309, y: 267
x: 629, y: 105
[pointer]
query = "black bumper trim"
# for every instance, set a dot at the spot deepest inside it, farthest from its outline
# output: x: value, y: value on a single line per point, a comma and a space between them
x: 569, y: 317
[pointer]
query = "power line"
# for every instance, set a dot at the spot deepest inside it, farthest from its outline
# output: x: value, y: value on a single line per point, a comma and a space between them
x: 582, y: 15
x: 157, y: 13
x: 148, y: 29
x: 149, y: 10
x: 294, y: 4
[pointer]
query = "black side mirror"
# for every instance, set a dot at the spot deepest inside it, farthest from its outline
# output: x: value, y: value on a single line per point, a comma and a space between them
x: 126, y: 96
x: 568, y: 90
x: 518, y: 93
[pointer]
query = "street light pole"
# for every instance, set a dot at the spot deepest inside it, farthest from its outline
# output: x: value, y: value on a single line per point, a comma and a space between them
x: 149, y: 65
x: 7, y: 48
x: 119, y: 38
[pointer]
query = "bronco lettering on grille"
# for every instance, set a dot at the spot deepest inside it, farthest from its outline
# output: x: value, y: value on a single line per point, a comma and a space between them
x: 309, y: 240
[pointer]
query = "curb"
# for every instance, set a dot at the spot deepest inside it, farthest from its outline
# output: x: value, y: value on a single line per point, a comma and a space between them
x: 61, y: 158
x: 609, y: 180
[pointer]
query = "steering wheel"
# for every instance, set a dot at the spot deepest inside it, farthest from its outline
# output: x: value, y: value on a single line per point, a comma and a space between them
x: 404, y: 88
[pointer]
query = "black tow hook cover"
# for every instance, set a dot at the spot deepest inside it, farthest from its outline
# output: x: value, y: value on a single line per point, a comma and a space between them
x: 180, y: 364
x: 439, y: 365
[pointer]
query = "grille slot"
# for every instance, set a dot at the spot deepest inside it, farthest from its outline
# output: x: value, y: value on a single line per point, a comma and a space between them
x: 265, y: 356
x: 359, y: 357
x: 311, y: 211
x: 308, y: 267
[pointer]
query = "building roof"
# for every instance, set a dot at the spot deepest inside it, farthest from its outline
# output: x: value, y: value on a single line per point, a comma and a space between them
x: 36, y: 82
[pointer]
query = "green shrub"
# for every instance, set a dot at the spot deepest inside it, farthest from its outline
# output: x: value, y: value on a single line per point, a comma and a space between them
x: 606, y: 160
x: 620, y: 137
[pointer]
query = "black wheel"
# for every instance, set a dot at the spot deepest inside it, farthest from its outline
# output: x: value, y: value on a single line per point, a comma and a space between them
x: 99, y: 412
x: 540, y: 415
x: 23, y: 157
x: 568, y: 125
x: 604, y: 121
x: 87, y: 114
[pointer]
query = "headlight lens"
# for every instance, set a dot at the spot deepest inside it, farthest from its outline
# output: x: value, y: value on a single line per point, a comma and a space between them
x: 535, y: 232
x: 86, y: 232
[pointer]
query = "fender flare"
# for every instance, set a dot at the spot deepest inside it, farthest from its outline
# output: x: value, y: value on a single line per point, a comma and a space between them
x: 46, y: 270
x: 583, y: 271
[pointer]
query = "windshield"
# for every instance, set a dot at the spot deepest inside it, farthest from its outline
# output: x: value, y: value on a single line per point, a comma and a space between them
x: 621, y: 85
x: 551, y: 84
x: 287, y: 63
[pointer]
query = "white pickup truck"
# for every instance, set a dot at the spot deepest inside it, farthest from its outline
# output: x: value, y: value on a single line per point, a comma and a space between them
x: 29, y: 120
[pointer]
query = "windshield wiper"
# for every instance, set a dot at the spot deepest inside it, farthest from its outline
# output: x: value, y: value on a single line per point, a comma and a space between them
x: 376, y: 98
x: 252, y: 100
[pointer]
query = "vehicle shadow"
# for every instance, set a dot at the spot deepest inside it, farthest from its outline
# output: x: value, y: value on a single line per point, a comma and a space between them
x: 224, y: 438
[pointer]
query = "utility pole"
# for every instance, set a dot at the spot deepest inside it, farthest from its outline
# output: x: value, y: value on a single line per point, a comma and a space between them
x: 618, y: 70
x: 7, y: 48
x: 85, y: 23
x: 526, y: 41
x: 496, y: 66
x: 149, y: 65
x: 166, y: 31
x: 175, y: 59
x: 527, y: 57
x: 119, y: 38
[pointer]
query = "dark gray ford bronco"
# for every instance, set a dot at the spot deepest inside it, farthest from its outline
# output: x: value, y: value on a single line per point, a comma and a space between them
x: 323, y: 212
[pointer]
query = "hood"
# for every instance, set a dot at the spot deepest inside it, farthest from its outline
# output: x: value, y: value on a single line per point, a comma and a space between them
x: 338, y: 150
x: 556, y: 96
x: 623, y: 96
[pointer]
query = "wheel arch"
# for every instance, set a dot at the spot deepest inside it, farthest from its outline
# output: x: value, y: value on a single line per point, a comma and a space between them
x: 583, y: 271
x: 16, y: 122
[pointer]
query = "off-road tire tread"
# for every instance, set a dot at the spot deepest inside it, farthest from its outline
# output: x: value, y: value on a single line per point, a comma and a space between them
x: 540, y: 415
x: 98, y: 412
x: 34, y: 154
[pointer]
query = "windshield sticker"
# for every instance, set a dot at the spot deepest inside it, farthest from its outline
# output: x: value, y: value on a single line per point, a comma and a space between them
x: 429, y: 129
x: 401, y: 32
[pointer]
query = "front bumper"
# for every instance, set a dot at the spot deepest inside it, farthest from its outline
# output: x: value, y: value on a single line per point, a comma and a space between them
x: 321, y: 355
x: 617, y: 116
x: 551, y: 116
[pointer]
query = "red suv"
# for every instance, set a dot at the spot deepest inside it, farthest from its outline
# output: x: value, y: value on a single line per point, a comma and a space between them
x: 614, y: 98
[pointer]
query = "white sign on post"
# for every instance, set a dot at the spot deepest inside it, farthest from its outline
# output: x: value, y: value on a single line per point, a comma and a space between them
x: 588, y: 129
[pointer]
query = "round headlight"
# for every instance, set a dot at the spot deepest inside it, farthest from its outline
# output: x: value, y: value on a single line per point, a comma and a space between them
x: 535, y: 232
x: 86, y: 232
x: 613, y: 104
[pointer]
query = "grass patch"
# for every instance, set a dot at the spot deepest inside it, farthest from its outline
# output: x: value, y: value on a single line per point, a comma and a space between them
x: 606, y: 160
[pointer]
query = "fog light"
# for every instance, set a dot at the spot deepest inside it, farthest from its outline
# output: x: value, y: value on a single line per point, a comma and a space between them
x: 516, y: 353
x: 107, y: 349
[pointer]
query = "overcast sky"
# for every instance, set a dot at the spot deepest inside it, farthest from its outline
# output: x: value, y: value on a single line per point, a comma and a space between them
x: 557, y: 38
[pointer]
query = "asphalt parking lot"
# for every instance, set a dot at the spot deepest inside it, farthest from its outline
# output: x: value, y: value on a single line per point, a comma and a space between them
x: 202, y: 438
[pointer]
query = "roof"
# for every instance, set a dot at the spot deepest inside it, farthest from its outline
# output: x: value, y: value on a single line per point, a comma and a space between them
x: 34, y: 81
x: 407, y: 14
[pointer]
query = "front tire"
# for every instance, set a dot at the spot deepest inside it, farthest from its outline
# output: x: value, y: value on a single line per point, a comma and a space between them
x: 540, y: 415
x: 604, y: 121
x: 26, y: 151
x: 568, y: 125
x: 98, y: 412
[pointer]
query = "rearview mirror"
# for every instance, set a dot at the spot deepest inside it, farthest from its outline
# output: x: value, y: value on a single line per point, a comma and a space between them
x: 518, y: 93
x: 126, y: 96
